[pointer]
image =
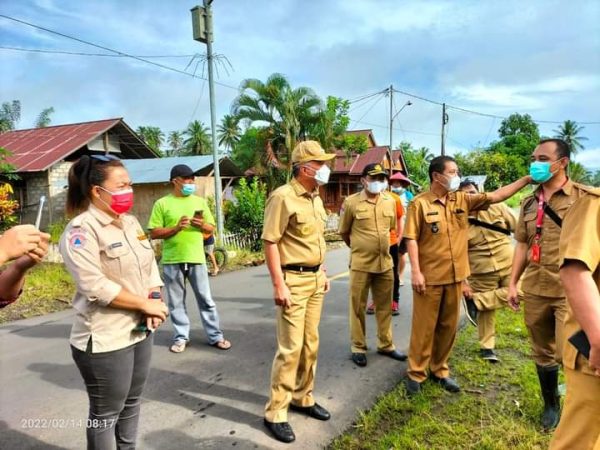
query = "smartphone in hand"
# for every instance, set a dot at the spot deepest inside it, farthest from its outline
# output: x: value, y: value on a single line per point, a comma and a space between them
x: 199, y: 214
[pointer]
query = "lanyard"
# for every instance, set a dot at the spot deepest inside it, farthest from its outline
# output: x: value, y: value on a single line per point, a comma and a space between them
x: 540, y: 216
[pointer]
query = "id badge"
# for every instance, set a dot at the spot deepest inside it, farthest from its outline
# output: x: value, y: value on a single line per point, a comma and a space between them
x: 536, y: 253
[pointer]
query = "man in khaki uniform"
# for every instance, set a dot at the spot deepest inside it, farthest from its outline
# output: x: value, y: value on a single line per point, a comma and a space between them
x: 294, y: 241
x: 580, y: 274
x: 490, y: 260
x: 536, y: 254
x: 365, y: 224
x: 436, y: 231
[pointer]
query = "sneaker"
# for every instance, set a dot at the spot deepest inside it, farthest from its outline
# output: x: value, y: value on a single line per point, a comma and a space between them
x: 371, y: 308
x: 178, y: 346
x: 470, y: 310
x: 395, y: 309
x: 489, y: 355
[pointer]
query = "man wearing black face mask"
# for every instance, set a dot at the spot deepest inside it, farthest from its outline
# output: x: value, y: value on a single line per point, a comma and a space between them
x: 437, y: 232
x: 537, y: 256
x: 365, y: 224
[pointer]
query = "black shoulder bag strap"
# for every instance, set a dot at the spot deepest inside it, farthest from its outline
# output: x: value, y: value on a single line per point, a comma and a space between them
x: 552, y: 214
x: 489, y: 226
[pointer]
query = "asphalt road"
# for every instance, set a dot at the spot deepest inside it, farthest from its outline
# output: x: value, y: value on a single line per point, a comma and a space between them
x: 202, y: 398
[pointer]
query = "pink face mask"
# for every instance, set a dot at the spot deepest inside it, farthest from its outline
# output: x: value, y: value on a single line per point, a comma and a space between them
x: 121, y: 201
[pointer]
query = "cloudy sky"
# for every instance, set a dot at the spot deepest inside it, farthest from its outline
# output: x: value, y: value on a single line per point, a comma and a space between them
x: 494, y: 57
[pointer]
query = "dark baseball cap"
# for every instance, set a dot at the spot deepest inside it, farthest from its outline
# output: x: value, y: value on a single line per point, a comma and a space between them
x: 181, y: 170
x: 373, y: 170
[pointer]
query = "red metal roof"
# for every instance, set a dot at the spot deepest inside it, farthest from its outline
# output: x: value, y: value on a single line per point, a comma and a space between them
x: 37, y: 149
x: 372, y: 156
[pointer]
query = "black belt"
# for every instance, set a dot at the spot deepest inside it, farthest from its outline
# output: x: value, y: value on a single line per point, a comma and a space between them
x: 301, y: 268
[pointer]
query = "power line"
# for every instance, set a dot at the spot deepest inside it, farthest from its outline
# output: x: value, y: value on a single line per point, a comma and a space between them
x: 371, y: 107
x: 65, y: 52
x: 387, y: 127
x: 137, y: 58
x: 470, y: 111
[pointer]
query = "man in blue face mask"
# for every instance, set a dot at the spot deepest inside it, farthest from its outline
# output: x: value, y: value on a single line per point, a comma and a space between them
x: 179, y: 219
x: 537, y: 256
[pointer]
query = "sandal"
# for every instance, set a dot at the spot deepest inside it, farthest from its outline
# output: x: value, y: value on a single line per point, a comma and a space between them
x: 222, y: 345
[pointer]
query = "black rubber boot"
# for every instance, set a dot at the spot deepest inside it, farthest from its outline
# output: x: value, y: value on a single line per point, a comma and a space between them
x: 548, y: 377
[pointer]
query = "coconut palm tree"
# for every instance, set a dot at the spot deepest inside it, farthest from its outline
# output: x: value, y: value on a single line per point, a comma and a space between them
x: 152, y: 136
x: 175, y: 141
x: 286, y: 112
x: 579, y: 174
x: 44, y: 119
x: 569, y: 132
x: 198, y: 141
x: 229, y: 132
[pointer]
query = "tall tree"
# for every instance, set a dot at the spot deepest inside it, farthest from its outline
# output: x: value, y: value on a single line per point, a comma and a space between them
x: 44, y: 119
x: 569, y: 131
x: 417, y: 161
x: 175, y: 141
x: 579, y: 174
x: 228, y: 132
x: 288, y: 113
x: 152, y: 136
x: 10, y: 115
x: 198, y: 140
x: 519, y: 135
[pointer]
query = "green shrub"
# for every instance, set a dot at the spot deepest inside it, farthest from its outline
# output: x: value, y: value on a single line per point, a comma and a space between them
x: 245, y: 216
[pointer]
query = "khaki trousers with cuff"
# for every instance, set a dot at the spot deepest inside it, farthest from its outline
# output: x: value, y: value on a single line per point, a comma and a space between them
x: 295, y: 362
x: 434, y: 325
x: 544, y: 318
x: 490, y: 292
x: 381, y: 286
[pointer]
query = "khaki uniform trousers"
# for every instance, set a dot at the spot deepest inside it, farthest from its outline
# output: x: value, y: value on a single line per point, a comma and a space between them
x: 579, y: 426
x: 381, y: 285
x: 295, y: 363
x: 544, y: 318
x: 434, y: 324
x: 490, y: 292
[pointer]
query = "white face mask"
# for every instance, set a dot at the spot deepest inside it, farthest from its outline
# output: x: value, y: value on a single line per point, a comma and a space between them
x: 321, y: 175
x: 376, y: 187
x: 452, y: 184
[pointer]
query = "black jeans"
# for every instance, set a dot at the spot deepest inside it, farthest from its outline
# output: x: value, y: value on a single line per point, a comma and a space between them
x: 114, y: 382
x: 396, y: 291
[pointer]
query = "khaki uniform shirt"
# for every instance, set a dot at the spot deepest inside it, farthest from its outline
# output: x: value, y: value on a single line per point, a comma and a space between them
x: 580, y: 240
x: 542, y: 278
x: 295, y: 221
x: 369, y: 222
x: 441, y: 231
x: 104, y: 256
x: 491, y: 251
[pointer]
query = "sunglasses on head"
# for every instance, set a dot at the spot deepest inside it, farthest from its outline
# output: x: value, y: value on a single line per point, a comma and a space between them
x: 104, y: 158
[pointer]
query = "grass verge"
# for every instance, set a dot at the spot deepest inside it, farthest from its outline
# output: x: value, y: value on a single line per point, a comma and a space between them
x: 499, y: 406
x: 48, y: 288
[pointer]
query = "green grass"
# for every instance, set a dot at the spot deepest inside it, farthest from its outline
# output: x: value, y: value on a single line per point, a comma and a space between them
x: 515, y: 200
x: 48, y: 288
x: 499, y: 406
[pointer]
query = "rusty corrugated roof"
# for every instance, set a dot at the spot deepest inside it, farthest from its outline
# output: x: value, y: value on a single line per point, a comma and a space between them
x: 37, y: 149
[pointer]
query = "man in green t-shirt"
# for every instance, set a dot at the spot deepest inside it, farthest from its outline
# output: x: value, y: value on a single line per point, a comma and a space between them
x: 179, y: 219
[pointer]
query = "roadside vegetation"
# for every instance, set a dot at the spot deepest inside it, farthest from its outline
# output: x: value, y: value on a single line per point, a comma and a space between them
x: 498, y: 408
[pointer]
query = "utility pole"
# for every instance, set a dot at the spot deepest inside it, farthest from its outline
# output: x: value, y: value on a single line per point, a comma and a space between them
x: 444, y: 122
x: 203, y: 32
x: 391, y: 117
